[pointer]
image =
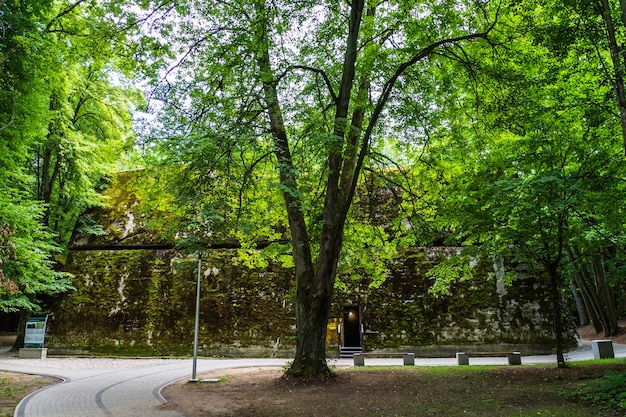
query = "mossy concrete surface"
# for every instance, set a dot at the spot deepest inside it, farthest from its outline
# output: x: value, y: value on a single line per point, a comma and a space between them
x: 136, y: 295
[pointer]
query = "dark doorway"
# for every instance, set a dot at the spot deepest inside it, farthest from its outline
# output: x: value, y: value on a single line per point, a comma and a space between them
x: 9, y: 322
x: 351, y: 326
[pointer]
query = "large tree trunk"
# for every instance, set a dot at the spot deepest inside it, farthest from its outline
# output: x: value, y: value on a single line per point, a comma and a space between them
x: 314, y: 287
x: 312, y: 313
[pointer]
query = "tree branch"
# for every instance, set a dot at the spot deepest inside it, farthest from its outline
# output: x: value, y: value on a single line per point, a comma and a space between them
x: 318, y: 71
x: 10, y: 122
x: 68, y: 10
x: 389, y: 85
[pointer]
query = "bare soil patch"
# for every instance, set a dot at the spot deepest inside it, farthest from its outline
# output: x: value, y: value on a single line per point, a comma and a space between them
x: 398, y: 391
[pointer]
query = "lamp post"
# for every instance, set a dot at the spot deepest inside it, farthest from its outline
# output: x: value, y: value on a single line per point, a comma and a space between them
x: 197, y: 324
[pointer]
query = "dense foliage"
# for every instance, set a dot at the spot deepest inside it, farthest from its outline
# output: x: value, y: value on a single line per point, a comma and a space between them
x: 65, y: 119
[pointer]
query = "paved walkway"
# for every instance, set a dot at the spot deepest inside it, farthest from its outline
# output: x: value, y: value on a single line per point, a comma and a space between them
x: 99, y: 387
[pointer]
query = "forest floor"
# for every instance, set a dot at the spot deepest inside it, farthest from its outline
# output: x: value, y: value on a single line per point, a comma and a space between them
x: 400, y: 391
x: 588, y: 333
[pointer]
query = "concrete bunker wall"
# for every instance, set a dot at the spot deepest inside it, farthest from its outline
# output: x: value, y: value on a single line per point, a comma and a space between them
x: 143, y: 302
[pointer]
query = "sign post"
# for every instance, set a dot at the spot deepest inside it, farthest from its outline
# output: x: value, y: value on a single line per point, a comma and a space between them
x: 194, y: 377
x: 35, y: 334
x: 34, y: 338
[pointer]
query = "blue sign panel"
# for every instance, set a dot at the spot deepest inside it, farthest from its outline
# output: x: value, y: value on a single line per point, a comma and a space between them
x: 35, y: 332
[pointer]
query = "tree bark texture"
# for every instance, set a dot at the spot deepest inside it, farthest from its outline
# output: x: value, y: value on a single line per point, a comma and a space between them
x: 583, y: 317
x: 606, y: 295
x: 314, y: 286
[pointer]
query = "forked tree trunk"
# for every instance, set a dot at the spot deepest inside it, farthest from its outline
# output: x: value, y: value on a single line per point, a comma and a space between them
x: 314, y: 286
x: 315, y: 283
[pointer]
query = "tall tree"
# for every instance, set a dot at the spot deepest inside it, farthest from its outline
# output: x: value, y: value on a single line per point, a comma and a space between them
x: 309, y: 87
x: 64, y: 120
x: 89, y: 124
x: 528, y: 163
x: 26, y: 249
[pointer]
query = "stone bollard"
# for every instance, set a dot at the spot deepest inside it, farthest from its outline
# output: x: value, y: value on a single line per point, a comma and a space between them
x: 359, y: 360
x: 602, y: 349
x: 409, y: 359
x: 515, y: 358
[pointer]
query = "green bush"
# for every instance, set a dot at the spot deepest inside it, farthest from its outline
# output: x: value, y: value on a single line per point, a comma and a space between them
x: 608, y: 392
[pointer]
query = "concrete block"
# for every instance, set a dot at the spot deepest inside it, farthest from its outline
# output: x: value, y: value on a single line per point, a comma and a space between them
x: 409, y: 359
x: 33, y: 353
x: 462, y: 358
x: 602, y: 349
x: 359, y: 360
x: 515, y: 358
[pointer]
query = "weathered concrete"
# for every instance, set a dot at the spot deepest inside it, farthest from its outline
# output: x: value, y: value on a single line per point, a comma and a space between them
x: 602, y: 349
x: 33, y: 353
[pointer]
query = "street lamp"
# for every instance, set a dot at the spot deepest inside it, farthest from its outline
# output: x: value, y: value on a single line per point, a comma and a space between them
x: 197, y: 324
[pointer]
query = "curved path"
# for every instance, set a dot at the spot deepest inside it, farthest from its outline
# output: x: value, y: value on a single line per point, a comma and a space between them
x: 111, y: 387
x: 131, y: 387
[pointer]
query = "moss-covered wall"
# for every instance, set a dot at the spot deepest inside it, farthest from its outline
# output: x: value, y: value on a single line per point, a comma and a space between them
x: 136, y: 295
x: 478, y: 311
x: 143, y: 302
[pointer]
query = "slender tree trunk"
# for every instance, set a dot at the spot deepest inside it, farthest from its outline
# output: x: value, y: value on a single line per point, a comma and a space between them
x: 617, y: 65
x: 50, y: 166
x: 589, y: 291
x: 21, y: 330
x: 581, y: 308
x: 555, y: 289
x: 606, y: 295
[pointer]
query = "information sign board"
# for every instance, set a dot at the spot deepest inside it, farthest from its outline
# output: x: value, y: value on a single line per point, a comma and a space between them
x: 35, y: 332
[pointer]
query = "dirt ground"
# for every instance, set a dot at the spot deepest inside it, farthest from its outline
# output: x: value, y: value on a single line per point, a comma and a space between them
x: 500, y: 391
x: 588, y: 333
x: 392, y: 392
